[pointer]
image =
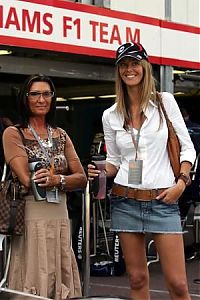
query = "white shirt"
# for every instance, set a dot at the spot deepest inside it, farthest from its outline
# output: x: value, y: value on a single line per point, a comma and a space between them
x: 157, y: 171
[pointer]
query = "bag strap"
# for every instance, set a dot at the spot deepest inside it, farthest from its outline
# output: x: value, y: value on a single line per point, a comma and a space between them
x: 3, y: 178
x: 159, y: 98
x: 5, y: 175
x: 13, y: 206
x: 171, y: 129
x: 20, y: 132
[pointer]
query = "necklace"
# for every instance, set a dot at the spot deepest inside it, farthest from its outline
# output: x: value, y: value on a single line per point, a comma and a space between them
x: 46, y: 143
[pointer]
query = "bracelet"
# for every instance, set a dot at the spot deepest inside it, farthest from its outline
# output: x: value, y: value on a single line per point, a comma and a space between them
x: 62, y: 182
x: 186, y: 178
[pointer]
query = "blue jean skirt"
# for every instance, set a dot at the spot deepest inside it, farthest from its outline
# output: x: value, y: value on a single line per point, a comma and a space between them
x: 155, y: 216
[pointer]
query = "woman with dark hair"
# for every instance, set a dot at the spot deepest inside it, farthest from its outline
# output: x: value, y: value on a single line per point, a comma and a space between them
x: 42, y: 261
x: 145, y: 193
x: 25, y: 111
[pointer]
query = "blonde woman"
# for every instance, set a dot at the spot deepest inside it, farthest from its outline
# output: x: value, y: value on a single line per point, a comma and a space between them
x: 145, y: 191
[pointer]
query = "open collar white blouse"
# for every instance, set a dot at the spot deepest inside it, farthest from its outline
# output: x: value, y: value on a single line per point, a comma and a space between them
x: 157, y: 171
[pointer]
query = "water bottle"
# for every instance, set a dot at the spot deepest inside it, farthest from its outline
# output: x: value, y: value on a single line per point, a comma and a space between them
x: 38, y: 192
x: 99, y: 183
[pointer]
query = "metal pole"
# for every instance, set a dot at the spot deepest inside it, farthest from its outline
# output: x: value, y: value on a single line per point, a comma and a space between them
x: 104, y: 228
x: 94, y: 234
x: 166, y: 72
x: 168, y: 10
x: 86, y: 242
x: 166, y: 79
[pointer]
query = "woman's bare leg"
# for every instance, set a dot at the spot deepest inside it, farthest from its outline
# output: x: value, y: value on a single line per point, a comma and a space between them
x: 134, y: 251
x: 171, y: 251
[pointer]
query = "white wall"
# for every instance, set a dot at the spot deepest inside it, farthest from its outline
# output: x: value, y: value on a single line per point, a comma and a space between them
x: 186, y: 11
x: 153, y: 8
x: 182, y: 11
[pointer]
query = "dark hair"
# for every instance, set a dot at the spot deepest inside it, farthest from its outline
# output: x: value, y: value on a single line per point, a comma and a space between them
x: 24, y: 110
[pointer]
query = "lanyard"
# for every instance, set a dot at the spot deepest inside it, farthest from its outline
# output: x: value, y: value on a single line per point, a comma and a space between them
x: 135, y: 138
x: 40, y: 142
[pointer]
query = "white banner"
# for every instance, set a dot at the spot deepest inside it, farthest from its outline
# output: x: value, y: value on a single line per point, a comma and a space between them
x: 77, y: 28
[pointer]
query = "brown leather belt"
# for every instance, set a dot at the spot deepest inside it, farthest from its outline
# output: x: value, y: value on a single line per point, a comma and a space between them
x: 144, y: 195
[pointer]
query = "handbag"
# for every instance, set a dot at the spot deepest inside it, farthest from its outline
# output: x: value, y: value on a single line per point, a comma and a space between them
x: 12, y: 203
x: 173, y: 144
x: 12, y: 206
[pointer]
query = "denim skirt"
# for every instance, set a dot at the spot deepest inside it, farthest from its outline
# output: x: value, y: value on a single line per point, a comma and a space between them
x: 129, y: 215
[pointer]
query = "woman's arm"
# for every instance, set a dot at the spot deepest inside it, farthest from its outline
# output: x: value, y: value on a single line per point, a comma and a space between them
x: 15, y: 155
x: 19, y: 167
x: 110, y: 170
x: 188, y: 152
x: 77, y: 178
x: 113, y: 156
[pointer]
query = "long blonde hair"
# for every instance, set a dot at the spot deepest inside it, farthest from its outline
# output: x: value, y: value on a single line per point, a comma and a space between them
x: 147, y: 92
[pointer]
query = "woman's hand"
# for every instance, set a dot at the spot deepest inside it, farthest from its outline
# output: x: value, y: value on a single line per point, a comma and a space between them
x: 92, y: 172
x: 45, y: 178
x: 172, y: 194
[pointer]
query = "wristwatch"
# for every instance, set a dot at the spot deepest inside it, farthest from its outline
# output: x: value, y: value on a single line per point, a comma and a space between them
x: 62, y: 182
x: 185, y: 178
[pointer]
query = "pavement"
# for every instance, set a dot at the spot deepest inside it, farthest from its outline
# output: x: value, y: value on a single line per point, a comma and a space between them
x: 118, y: 286
x: 106, y: 287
